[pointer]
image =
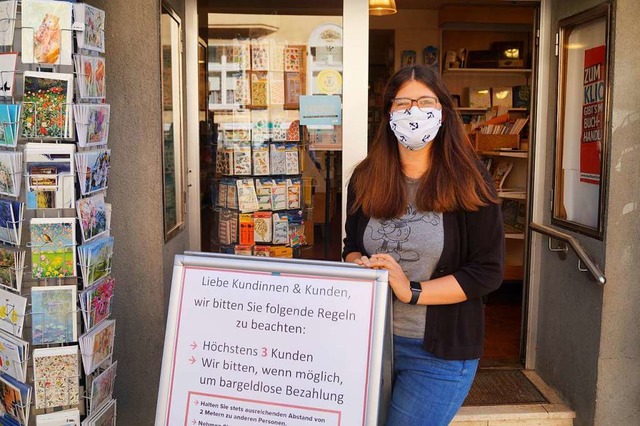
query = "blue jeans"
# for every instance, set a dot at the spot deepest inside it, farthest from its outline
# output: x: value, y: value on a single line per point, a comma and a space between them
x: 427, y: 391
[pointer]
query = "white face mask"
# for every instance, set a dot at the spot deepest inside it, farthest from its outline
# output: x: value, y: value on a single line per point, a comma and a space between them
x: 414, y: 127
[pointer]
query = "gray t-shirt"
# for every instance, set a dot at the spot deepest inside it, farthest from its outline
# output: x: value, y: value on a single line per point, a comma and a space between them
x: 415, y: 240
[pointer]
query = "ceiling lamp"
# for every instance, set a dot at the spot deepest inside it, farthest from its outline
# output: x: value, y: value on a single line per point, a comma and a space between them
x: 382, y: 7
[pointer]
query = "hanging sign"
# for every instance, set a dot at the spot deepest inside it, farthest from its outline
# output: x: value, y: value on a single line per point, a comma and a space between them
x: 271, y: 341
x: 320, y: 109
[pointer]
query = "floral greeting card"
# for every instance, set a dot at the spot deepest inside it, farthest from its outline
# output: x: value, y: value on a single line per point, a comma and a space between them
x: 91, y: 76
x: 96, y: 345
x: 91, y: 20
x: 10, y: 170
x: 46, y: 32
x: 102, y: 387
x: 96, y: 301
x: 92, y: 123
x: 11, y: 268
x: 92, y: 213
x: 53, y: 312
x: 55, y: 376
x: 46, y: 111
x: 53, y: 242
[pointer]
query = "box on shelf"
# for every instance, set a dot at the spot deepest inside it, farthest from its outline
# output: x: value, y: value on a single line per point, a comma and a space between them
x: 487, y: 142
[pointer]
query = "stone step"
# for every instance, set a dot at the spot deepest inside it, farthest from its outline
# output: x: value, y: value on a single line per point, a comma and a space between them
x: 553, y: 413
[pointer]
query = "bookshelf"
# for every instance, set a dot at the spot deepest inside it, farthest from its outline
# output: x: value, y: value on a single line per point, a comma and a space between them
x: 479, y: 38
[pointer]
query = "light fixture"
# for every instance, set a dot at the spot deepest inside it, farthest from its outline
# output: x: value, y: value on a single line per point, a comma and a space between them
x: 382, y: 7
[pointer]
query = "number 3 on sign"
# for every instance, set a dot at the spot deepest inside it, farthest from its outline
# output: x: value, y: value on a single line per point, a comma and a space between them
x: 264, y: 352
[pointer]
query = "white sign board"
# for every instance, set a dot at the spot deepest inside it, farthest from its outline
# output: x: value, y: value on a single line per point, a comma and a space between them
x: 275, y: 342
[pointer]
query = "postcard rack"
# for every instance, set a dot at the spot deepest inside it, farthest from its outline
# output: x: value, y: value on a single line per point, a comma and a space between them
x: 56, y: 288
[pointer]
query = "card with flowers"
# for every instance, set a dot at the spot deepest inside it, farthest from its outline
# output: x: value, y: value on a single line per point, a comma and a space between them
x: 53, y: 242
x: 96, y: 301
x: 96, y: 345
x: 293, y: 58
x: 55, y: 376
x: 102, y: 388
x: 91, y: 20
x: 11, y: 268
x: 53, y: 313
x: 92, y: 123
x: 91, y: 76
x: 92, y: 213
x: 46, y: 105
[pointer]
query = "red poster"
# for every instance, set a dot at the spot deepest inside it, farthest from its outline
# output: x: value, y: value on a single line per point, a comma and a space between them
x: 593, y: 114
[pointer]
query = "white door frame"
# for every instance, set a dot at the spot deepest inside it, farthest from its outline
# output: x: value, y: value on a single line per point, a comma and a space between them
x: 538, y: 197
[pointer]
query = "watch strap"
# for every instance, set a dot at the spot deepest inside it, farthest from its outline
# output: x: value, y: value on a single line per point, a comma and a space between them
x: 416, y: 290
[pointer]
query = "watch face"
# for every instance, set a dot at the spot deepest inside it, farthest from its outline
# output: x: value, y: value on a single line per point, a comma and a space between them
x: 415, y: 285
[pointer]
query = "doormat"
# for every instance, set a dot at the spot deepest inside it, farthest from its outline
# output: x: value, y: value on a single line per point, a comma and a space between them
x: 503, y: 387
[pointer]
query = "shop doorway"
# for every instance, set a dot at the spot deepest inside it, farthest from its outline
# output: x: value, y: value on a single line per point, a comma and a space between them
x: 486, y: 52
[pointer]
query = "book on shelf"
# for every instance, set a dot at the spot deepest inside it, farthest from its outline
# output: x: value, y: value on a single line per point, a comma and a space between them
x: 500, y: 170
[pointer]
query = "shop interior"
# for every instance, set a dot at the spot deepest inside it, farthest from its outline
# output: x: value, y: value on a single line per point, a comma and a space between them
x: 484, y: 49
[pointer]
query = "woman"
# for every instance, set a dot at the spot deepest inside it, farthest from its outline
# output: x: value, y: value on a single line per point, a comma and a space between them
x: 421, y: 206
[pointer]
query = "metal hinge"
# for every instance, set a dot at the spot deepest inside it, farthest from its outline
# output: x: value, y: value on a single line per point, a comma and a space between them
x: 557, y: 43
x: 551, y: 203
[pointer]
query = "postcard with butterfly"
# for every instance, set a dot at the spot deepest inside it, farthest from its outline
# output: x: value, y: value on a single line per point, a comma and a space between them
x: 92, y: 123
x: 53, y: 243
x: 46, y: 32
x: 91, y: 22
x: 12, y: 309
x: 92, y: 213
x: 55, y: 376
x: 53, y: 313
x: 46, y: 111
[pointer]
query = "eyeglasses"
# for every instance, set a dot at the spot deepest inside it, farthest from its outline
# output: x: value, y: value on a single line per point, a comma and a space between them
x: 423, y: 102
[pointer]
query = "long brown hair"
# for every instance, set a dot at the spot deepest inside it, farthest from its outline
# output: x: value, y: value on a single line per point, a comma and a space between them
x: 454, y: 180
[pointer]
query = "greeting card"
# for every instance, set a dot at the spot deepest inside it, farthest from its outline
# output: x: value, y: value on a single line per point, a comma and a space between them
x: 95, y: 259
x: 96, y: 302
x: 91, y: 21
x: 91, y: 76
x: 55, y: 376
x: 92, y: 213
x: 102, y: 388
x: 12, y: 268
x: 8, y: 12
x: 11, y: 217
x: 9, y: 114
x: 50, y: 175
x: 59, y: 418
x: 8, y: 62
x: 53, y: 312
x: 93, y: 170
x: 46, y: 32
x: 92, y: 123
x: 12, y: 309
x: 46, y: 104
x: 14, y: 354
x: 96, y: 345
x: 53, y: 242
x: 15, y: 398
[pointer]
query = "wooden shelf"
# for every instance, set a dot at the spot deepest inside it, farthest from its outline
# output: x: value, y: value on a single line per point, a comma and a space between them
x: 507, y: 153
x: 514, y: 235
x: 470, y: 109
x: 487, y: 71
x: 513, y: 195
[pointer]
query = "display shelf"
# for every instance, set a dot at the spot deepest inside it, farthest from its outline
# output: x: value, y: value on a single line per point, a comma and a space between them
x: 482, y: 110
x: 512, y: 195
x: 487, y: 70
x: 507, y: 153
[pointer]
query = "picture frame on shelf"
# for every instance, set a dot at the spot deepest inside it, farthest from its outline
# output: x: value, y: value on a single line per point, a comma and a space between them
x: 407, y: 58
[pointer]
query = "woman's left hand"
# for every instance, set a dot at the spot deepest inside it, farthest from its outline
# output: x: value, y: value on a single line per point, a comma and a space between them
x: 397, y: 279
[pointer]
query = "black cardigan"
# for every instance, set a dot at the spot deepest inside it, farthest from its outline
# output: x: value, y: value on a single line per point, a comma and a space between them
x: 473, y: 252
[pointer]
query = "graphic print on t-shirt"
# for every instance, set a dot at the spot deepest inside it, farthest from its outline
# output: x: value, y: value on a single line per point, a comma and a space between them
x: 393, y: 233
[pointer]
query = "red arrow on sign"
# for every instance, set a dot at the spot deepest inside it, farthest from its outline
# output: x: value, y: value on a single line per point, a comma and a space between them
x: 193, y: 421
x: 194, y: 345
x: 196, y: 402
x: 192, y: 359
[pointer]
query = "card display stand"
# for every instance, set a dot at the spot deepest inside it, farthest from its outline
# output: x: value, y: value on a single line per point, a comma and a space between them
x: 44, y: 265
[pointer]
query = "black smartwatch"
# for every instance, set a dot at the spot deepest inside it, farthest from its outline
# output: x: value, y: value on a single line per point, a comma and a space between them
x: 416, y: 289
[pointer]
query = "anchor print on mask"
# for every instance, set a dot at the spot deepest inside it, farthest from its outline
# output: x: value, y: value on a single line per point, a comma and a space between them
x: 393, y: 233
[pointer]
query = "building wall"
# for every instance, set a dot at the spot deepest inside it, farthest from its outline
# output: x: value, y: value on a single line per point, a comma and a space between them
x: 618, y: 390
x: 142, y: 261
x: 587, y: 339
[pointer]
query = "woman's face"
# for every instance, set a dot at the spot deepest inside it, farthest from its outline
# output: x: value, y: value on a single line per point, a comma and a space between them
x: 416, y: 93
